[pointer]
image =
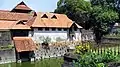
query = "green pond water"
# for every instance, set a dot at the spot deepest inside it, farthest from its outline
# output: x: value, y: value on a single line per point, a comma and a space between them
x: 52, y: 62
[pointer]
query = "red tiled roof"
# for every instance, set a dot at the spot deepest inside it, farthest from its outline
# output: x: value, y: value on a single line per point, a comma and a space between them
x: 22, y: 6
x: 6, y: 24
x: 30, y: 21
x: 20, y: 25
x: 6, y: 15
x: 24, y: 44
x: 12, y: 25
x: 61, y: 21
x: 4, y: 11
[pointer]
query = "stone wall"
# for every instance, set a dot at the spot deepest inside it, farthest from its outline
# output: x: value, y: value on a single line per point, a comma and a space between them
x: 111, y: 40
x: 7, y: 56
x: 53, y: 51
x: 87, y: 35
x: 7, y: 51
x: 5, y: 38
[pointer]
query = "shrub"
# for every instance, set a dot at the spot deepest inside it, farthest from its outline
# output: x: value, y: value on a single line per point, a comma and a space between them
x: 92, y: 59
x: 109, y: 56
x: 82, y: 48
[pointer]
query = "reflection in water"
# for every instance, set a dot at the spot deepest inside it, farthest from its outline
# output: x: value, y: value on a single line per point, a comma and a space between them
x: 25, y: 64
x: 52, y: 62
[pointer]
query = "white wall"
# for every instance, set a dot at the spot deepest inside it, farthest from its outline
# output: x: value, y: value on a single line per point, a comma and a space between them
x: 52, y: 34
x: 78, y: 35
x: 36, y: 34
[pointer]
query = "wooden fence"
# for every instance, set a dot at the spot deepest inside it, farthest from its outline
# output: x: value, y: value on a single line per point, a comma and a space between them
x: 102, y: 48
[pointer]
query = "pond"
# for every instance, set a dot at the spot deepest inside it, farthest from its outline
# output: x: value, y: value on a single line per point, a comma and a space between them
x: 52, y: 62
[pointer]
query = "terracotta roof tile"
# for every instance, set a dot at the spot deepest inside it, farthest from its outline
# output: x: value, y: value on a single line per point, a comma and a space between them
x: 21, y: 25
x: 24, y: 44
x: 30, y: 21
x: 12, y: 25
x: 6, y: 24
x: 62, y: 21
x: 4, y: 15
x: 22, y: 6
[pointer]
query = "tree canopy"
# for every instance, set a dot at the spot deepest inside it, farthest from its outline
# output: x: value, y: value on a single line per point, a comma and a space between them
x: 99, y: 15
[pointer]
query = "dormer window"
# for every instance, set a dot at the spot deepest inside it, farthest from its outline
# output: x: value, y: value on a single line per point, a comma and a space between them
x: 54, y: 17
x: 21, y: 22
x: 44, y: 16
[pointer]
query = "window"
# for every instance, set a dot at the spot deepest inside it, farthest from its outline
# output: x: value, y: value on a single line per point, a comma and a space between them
x: 59, y: 29
x: 20, y: 22
x: 44, y: 16
x: 40, y: 29
x: 46, y: 29
x: 53, y: 29
x: 54, y: 17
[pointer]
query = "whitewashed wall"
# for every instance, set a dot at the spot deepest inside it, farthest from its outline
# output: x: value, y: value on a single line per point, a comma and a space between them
x: 37, y: 34
x: 78, y: 35
x: 52, y: 34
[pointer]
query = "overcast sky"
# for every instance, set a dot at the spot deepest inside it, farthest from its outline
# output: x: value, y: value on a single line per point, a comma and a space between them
x: 37, y: 5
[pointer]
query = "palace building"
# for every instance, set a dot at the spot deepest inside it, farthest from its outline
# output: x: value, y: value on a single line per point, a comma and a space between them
x: 23, y: 27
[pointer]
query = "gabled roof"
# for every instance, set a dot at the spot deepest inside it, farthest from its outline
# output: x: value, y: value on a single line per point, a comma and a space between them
x: 62, y: 21
x: 13, y: 25
x: 24, y: 44
x: 22, y: 6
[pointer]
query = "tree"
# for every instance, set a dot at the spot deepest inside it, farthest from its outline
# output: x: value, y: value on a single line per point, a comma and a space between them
x: 103, y: 20
x: 98, y: 15
x: 77, y: 10
x: 103, y: 17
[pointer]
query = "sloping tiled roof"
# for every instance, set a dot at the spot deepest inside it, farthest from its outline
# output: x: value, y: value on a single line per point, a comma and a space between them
x: 6, y: 15
x: 20, y: 25
x: 12, y: 25
x: 6, y: 24
x: 50, y: 19
x: 30, y: 21
x: 24, y: 44
x: 22, y: 6
x: 61, y: 21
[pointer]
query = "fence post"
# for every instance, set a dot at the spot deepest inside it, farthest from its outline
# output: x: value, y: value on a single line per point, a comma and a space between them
x: 118, y: 49
x: 114, y: 50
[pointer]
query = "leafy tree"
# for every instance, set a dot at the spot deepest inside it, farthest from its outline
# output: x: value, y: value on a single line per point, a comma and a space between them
x: 103, y: 17
x: 98, y: 15
x: 77, y: 10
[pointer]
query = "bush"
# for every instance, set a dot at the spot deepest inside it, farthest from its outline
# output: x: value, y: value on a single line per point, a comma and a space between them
x: 109, y: 56
x: 82, y: 48
x: 92, y: 59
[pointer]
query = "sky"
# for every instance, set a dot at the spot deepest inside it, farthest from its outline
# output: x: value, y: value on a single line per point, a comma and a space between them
x: 37, y: 5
